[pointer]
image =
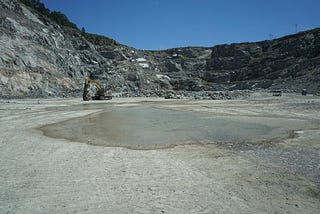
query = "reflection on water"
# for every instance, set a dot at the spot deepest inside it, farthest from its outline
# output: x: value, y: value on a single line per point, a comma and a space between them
x: 147, y: 128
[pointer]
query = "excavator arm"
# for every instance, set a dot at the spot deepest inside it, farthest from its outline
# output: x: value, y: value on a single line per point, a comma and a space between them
x: 100, y: 93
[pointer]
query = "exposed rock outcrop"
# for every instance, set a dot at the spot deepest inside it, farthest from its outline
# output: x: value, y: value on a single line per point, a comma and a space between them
x: 39, y: 58
x: 291, y: 62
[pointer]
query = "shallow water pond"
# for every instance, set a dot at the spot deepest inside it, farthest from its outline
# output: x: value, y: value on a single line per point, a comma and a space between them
x: 149, y: 128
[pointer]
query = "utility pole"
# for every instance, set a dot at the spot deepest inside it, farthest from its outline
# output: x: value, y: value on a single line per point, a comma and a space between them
x: 296, y: 28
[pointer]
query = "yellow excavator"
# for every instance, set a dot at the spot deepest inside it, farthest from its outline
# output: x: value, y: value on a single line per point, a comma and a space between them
x: 100, y: 93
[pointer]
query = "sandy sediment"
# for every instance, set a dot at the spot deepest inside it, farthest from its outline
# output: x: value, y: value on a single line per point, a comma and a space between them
x: 39, y: 174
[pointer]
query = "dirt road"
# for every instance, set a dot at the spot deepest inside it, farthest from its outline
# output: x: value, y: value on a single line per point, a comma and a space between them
x: 40, y: 174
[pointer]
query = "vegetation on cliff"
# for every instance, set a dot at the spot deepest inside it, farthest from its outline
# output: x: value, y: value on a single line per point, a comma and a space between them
x: 57, y: 16
x: 99, y: 40
x: 62, y: 20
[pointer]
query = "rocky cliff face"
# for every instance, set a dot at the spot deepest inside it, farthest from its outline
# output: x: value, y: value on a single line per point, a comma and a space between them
x: 292, y: 62
x: 39, y: 58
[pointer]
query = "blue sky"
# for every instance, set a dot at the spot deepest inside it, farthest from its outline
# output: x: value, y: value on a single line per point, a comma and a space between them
x: 162, y: 24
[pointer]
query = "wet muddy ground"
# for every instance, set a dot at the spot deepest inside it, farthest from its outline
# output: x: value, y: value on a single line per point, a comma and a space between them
x: 259, y: 155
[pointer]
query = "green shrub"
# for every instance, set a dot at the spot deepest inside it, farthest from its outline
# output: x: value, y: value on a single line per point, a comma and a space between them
x: 62, y: 19
x: 57, y: 16
x: 99, y: 40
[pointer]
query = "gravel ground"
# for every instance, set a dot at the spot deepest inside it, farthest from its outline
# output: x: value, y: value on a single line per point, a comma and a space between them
x: 39, y: 174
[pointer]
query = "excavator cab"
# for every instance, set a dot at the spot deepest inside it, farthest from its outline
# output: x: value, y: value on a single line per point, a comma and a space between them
x: 99, y: 94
